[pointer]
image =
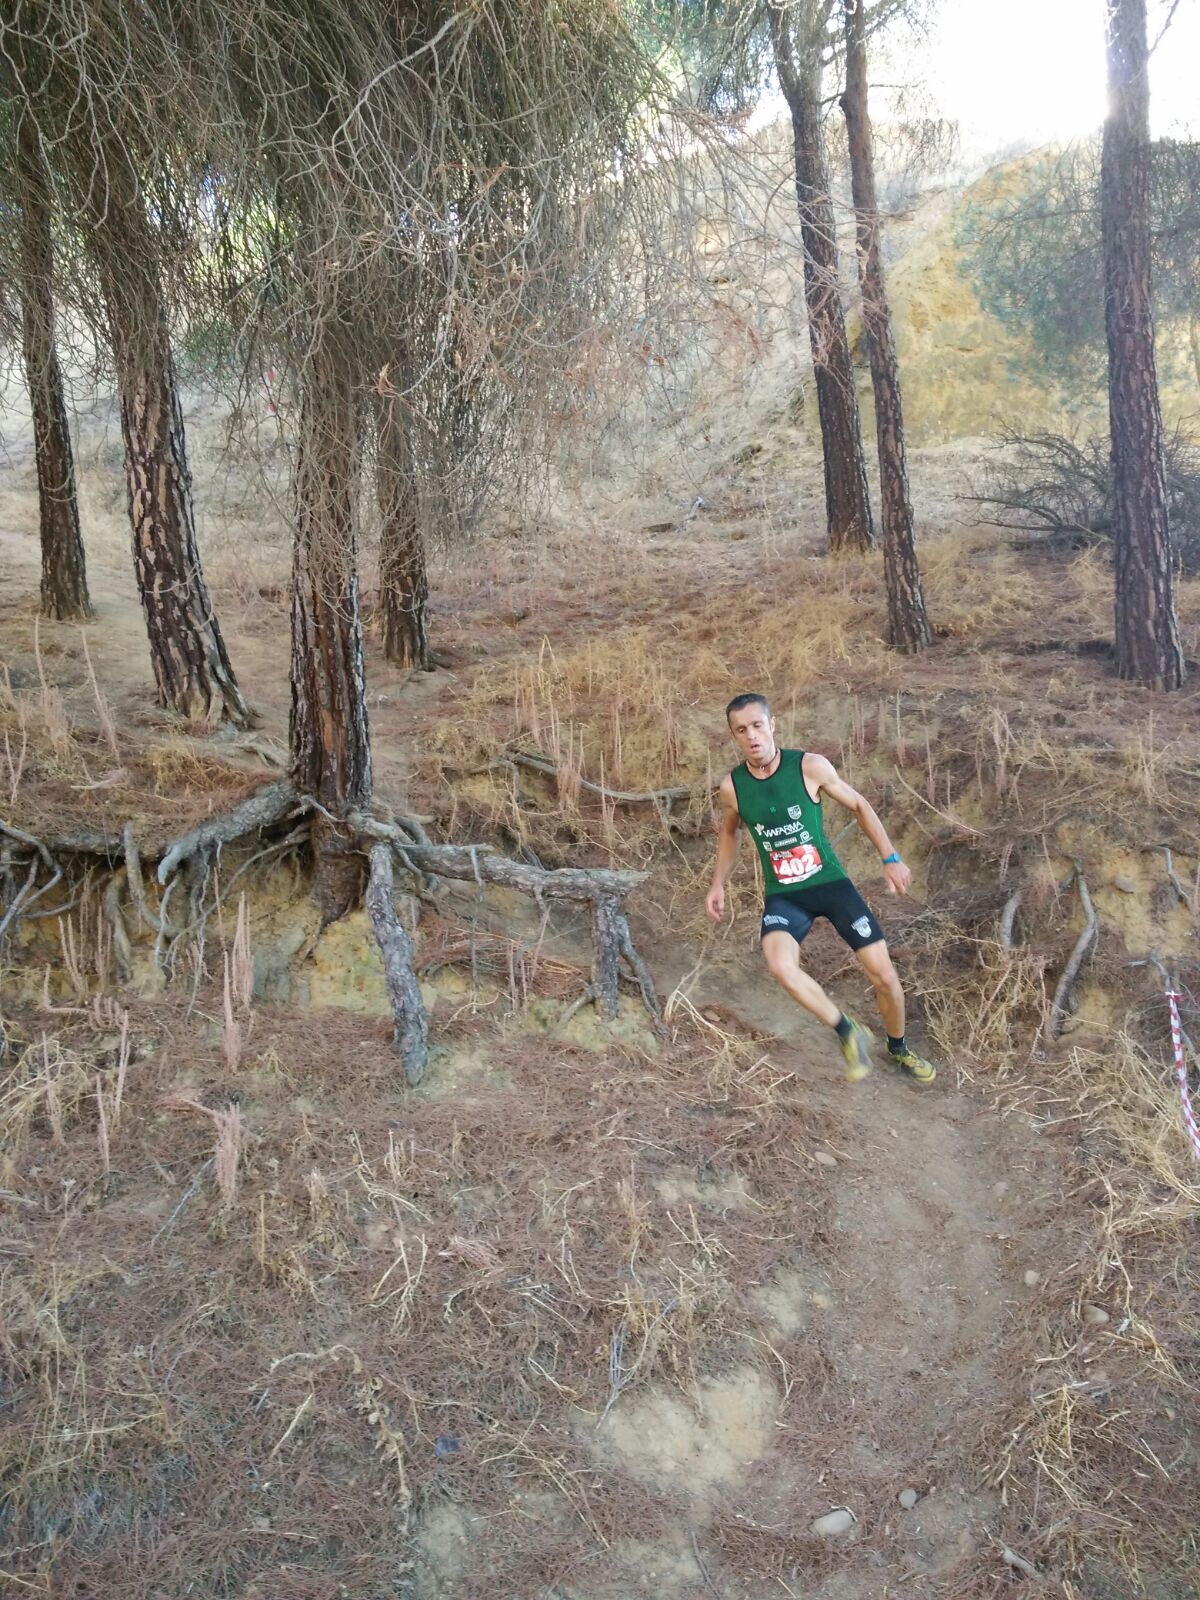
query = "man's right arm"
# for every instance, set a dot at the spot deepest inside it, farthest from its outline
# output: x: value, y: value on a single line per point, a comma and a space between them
x: 727, y: 848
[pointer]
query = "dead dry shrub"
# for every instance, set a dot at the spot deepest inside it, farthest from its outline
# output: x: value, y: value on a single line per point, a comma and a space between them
x: 1092, y: 1457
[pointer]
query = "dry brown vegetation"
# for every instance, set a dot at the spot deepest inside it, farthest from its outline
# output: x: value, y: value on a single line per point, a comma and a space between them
x: 274, y: 1325
x: 278, y: 1327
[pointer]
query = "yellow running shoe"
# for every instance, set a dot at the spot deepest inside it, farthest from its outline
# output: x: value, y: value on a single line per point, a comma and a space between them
x: 856, y: 1047
x: 913, y: 1066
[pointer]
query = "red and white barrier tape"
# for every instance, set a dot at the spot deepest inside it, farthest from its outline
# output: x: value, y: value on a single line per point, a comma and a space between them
x: 1189, y: 1115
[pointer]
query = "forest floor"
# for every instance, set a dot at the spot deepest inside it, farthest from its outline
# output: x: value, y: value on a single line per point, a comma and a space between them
x: 593, y: 1312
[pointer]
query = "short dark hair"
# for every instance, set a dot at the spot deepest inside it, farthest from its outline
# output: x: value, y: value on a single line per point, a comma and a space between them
x: 741, y: 701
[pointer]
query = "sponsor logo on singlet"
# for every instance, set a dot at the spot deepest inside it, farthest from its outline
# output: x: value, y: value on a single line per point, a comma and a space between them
x: 802, y: 834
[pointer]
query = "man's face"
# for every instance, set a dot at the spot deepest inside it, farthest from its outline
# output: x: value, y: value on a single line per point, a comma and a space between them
x: 753, y: 730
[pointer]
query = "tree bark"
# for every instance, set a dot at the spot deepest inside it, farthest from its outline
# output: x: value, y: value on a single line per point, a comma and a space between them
x: 1148, y: 648
x: 908, y: 623
x: 403, y: 581
x: 187, y: 650
x: 329, y: 738
x: 411, y: 1036
x: 64, y: 572
x: 798, y: 60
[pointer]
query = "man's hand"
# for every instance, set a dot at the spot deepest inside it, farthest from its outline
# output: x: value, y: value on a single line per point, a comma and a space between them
x: 714, y: 902
x: 898, y: 877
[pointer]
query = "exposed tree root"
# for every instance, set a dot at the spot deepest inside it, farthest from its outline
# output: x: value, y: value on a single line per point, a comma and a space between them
x: 1062, y: 994
x: 603, y: 889
x: 265, y: 806
x: 1008, y: 919
x: 185, y: 867
x: 412, y: 1025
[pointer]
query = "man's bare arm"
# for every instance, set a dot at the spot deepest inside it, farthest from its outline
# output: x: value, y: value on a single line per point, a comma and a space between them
x: 825, y: 780
x: 727, y: 849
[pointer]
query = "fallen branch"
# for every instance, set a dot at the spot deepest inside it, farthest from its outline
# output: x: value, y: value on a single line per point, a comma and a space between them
x: 1062, y: 995
x: 518, y: 758
x: 408, y: 1009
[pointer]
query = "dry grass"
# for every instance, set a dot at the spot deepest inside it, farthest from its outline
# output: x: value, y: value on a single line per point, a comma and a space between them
x: 511, y: 1240
x: 243, y: 1342
x: 1098, y: 1458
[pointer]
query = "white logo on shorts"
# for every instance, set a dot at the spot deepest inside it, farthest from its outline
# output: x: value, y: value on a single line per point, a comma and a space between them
x: 862, y: 927
x: 775, y: 922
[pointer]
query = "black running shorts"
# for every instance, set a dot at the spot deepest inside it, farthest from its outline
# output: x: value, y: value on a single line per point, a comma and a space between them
x: 839, y: 902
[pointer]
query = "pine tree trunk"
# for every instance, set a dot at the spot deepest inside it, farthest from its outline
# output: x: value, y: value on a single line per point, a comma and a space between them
x: 1148, y: 648
x: 64, y: 572
x: 329, y: 738
x: 187, y: 650
x: 403, y: 582
x: 847, y: 505
x: 908, y: 624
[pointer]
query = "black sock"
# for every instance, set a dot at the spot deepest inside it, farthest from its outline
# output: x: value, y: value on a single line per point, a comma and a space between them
x: 842, y: 1027
x: 897, y: 1046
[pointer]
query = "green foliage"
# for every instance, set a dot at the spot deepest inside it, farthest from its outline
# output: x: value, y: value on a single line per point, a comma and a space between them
x: 1032, y: 251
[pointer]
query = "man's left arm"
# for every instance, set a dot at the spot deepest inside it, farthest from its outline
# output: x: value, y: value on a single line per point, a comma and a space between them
x: 826, y: 781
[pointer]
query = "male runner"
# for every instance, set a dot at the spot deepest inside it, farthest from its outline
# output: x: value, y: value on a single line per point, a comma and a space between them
x: 777, y: 794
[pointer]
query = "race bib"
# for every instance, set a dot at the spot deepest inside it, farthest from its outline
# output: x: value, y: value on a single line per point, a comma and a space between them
x: 793, y: 866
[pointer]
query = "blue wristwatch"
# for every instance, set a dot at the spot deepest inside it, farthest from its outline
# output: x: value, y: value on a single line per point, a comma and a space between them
x: 889, y: 860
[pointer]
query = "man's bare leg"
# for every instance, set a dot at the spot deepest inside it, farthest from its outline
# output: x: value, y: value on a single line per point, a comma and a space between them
x: 889, y: 996
x: 782, y: 955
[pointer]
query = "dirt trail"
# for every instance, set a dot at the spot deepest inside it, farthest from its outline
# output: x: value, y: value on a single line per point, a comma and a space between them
x: 935, y: 1209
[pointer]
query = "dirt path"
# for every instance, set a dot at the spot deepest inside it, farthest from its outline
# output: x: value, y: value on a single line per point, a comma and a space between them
x: 936, y: 1206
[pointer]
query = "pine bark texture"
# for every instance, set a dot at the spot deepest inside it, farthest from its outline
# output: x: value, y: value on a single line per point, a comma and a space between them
x: 1148, y: 648
x: 64, y: 594
x: 908, y: 623
x: 403, y: 580
x: 847, y: 504
x: 329, y: 738
x: 191, y: 665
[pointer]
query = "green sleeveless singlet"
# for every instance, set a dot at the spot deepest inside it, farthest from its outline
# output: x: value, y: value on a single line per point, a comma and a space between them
x: 786, y: 825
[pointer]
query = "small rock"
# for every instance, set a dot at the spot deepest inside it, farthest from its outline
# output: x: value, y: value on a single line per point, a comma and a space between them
x: 908, y: 1498
x: 1094, y: 1316
x: 825, y: 1158
x: 1125, y: 885
x: 840, y: 1520
x: 1032, y: 1278
x: 821, y: 1301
